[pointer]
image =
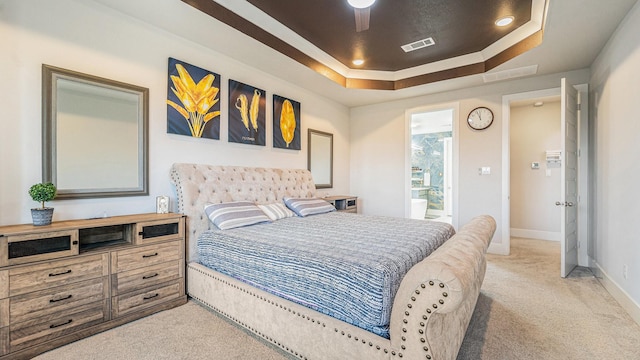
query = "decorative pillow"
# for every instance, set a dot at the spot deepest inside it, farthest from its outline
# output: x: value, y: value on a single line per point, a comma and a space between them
x: 276, y: 211
x: 234, y: 214
x: 310, y: 206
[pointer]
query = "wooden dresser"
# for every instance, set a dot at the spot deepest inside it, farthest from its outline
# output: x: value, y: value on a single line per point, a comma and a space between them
x: 72, y: 279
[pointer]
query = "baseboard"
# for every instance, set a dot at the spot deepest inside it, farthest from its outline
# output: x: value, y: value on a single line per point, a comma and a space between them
x: 618, y: 293
x: 498, y: 249
x: 536, y: 234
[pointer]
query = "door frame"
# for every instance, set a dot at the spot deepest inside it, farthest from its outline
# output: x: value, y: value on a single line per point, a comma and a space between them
x: 584, y: 229
x: 583, y: 173
x: 456, y: 155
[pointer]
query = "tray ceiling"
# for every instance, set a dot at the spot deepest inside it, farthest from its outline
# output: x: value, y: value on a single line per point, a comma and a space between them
x: 322, y: 35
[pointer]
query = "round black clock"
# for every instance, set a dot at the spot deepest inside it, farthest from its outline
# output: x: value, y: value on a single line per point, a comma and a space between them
x: 480, y: 118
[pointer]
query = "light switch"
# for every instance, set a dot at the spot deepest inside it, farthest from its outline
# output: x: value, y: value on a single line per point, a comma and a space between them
x: 485, y: 170
x: 535, y: 165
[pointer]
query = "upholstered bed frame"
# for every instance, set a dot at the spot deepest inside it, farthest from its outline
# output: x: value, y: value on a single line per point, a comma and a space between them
x: 431, y: 310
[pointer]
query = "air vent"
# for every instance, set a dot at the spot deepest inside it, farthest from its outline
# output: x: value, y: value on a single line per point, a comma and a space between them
x: 418, y: 44
x: 510, y: 74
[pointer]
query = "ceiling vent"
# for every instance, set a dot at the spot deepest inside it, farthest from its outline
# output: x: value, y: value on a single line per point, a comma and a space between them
x: 510, y: 74
x: 418, y: 44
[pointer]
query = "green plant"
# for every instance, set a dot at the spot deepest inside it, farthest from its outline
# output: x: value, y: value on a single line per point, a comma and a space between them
x: 43, y: 192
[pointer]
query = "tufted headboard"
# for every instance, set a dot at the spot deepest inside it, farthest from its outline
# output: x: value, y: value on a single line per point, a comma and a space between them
x: 198, y: 184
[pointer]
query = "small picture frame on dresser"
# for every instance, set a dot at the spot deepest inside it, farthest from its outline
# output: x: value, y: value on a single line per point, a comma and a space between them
x: 162, y: 204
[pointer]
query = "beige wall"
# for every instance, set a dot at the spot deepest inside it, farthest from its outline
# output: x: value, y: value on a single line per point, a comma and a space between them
x: 615, y: 120
x: 533, y: 131
x: 380, y: 144
x: 89, y: 38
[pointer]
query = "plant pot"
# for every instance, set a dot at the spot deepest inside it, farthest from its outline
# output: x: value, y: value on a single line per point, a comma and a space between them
x: 42, y: 216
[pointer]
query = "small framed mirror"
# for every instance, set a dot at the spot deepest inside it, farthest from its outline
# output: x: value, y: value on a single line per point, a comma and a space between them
x: 320, y: 158
x: 94, y: 135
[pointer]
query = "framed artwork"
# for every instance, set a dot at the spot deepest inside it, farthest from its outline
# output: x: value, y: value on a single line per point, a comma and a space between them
x: 247, y: 113
x: 193, y: 106
x: 286, y: 123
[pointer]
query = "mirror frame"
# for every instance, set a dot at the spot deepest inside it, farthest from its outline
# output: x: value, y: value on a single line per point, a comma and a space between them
x: 311, y: 134
x: 50, y: 75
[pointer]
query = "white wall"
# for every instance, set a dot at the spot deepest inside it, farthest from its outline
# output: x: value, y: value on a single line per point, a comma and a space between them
x: 86, y: 37
x: 379, y: 142
x: 615, y: 95
x: 533, y: 130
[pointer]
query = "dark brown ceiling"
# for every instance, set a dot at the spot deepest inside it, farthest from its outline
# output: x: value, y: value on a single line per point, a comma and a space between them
x: 459, y: 27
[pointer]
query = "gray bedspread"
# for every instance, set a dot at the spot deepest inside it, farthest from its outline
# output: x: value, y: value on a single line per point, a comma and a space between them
x: 344, y: 265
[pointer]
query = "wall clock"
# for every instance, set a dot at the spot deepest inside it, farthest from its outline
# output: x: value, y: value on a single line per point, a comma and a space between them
x: 480, y: 118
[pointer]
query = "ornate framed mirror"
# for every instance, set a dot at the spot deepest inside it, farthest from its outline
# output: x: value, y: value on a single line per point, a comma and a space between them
x: 320, y: 158
x: 94, y: 135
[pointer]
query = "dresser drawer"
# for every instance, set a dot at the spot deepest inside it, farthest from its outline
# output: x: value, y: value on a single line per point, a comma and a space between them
x: 28, y: 333
x: 51, y: 301
x: 30, y: 247
x: 59, y: 272
x: 147, y: 276
x: 159, y: 230
x: 140, y: 299
x: 144, y: 256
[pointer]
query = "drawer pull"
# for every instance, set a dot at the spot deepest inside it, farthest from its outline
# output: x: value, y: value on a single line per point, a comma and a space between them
x: 64, y: 298
x: 60, y: 273
x: 149, y: 276
x: 148, y: 256
x: 151, y: 297
x: 62, y: 324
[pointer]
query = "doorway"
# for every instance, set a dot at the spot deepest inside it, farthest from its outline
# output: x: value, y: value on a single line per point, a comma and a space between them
x: 535, y: 175
x: 432, y: 164
x: 573, y: 199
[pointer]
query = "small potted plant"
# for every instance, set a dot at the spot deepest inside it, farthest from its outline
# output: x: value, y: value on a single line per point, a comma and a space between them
x: 42, y: 193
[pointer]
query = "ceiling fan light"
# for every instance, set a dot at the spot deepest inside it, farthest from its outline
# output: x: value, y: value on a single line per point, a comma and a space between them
x: 361, y: 4
x: 504, y: 21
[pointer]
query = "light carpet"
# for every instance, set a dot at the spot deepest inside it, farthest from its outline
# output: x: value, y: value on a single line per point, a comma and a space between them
x: 525, y: 311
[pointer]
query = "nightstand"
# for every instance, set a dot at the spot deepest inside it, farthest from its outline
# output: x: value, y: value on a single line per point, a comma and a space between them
x: 344, y: 203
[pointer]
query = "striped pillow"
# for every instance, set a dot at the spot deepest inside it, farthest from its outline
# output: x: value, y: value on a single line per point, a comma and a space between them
x: 276, y: 211
x: 311, y: 206
x: 234, y: 214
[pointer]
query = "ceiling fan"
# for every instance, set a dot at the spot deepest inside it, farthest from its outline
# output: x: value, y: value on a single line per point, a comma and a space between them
x: 362, y: 12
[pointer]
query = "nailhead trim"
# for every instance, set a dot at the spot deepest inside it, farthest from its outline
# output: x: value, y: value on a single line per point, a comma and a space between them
x: 425, y: 317
x: 303, y: 316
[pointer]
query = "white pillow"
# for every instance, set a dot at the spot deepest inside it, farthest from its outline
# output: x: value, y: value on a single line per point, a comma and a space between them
x: 308, y: 206
x: 234, y: 214
x: 276, y: 211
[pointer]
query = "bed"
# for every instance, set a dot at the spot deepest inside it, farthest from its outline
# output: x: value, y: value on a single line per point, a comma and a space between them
x: 426, y: 314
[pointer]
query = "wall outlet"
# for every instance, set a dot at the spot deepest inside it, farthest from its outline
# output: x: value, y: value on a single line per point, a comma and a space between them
x: 624, y: 271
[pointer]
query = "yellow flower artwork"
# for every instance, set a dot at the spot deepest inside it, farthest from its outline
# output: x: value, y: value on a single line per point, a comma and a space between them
x: 193, y: 104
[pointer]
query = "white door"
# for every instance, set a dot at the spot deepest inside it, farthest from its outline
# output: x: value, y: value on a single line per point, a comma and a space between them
x: 569, y: 171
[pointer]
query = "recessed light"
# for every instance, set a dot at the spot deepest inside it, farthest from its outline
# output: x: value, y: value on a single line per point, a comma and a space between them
x: 361, y: 4
x: 538, y: 103
x: 358, y: 62
x: 504, y: 21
